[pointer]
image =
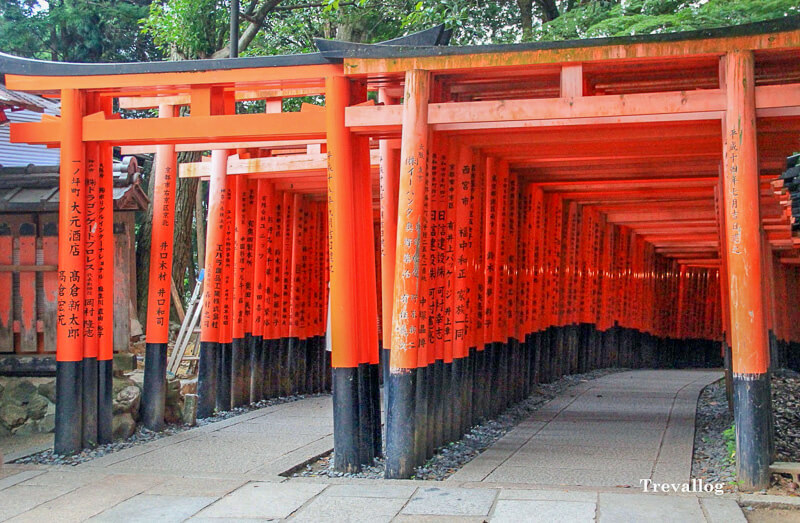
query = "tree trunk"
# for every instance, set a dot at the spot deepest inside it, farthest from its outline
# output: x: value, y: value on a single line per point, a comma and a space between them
x: 183, y: 267
x: 526, y: 15
x: 549, y: 10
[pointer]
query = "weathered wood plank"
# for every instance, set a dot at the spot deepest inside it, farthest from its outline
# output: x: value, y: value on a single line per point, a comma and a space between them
x: 49, y: 285
x: 27, y: 289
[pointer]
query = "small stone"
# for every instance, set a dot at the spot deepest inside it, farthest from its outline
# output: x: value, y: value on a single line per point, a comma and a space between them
x: 36, y: 408
x: 127, y: 400
x: 26, y: 429
x: 12, y: 415
x: 124, y: 361
x: 123, y: 426
x: 48, y: 390
x: 48, y: 422
x: 20, y: 393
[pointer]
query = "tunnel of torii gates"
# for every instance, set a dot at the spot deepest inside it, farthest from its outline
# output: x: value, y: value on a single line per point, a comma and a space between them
x: 482, y: 219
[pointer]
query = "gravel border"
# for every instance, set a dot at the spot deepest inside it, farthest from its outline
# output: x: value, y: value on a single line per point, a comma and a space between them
x: 455, y: 455
x: 142, y: 435
x: 710, y: 461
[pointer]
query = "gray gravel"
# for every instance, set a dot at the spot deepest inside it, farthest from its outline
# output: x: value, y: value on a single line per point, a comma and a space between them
x: 711, y: 462
x: 453, y: 456
x: 142, y: 435
x: 711, y: 459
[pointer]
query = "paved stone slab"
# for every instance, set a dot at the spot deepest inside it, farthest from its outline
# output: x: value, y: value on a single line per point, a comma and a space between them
x: 15, y: 477
x: 91, y: 499
x: 451, y: 502
x: 534, y: 511
x: 194, y: 486
x: 612, y: 431
x: 18, y: 499
x: 147, y: 508
x: 562, y: 477
x: 349, y: 509
x: 584, y: 496
x: 370, y: 491
x: 260, y: 500
x: 722, y: 510
x: 647, y: 508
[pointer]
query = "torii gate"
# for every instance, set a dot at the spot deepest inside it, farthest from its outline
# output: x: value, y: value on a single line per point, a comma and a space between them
x: 552, y: 208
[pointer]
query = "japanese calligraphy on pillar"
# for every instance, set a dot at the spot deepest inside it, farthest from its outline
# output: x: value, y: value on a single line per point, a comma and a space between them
x: 70, y: 274
x: 732, y: 160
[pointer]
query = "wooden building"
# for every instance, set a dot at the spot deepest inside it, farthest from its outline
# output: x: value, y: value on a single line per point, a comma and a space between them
x: 29, y: 254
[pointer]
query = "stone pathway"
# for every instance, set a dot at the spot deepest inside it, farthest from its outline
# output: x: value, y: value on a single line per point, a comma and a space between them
x: 230, y: 471
x: 71, y: 495
x: 613, y: 431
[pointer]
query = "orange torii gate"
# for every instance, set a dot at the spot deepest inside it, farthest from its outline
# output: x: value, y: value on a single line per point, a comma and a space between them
x: 545, y: 209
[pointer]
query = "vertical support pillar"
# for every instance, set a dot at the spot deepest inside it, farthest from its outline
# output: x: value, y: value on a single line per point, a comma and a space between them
x: 400, y: 457
x: 389, y: 165
x: 212, y: 290
x: 69, y: 332
x: 750, y: 349
x: 105, y: 293
x: 342, y: 332
x: 238, y: 342
x: 90, y: 342
x: 154, y: 391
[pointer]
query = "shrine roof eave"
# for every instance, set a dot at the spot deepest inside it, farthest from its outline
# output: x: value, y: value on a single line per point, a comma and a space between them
x: 15, y: 65
x: 345, y: 50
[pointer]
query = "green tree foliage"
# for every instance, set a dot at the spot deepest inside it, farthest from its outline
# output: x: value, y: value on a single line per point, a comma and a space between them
x: 632, y: 17
x: 76, y: 30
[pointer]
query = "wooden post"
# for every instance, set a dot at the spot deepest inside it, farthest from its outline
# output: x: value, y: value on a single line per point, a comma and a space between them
x: 90, y: 341
x: 343, y: 311
x: 389, y: 165
x: 154, y: 392
x: 71, y: 259
x: 400, y: 457
x: 750, y: 350
x: 105, y: 292
x: 212, y: 290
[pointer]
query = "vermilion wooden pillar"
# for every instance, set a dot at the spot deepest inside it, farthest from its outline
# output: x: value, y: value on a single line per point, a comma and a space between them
x: 154, y: 392
x: 389, y: 165
x: 105, y: 291
x: 750, y: 351
x: 71, y: 259
x: 90, y: 341
x: 400, y: 428
x: 343, y: 330
x: 210, y: 325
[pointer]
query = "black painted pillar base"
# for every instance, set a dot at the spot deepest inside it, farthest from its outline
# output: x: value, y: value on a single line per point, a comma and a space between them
x: 726, y: 357
x: 154, y: 390
x: 366, y: 447
x: 271, y: 370
x: 207, y: 379
x: 69, y: 412
x: 256, y: 369
x: 752, y: 413
x: 105, y: 397
x: 224, y: 377
x: 375, y: 396
x: 89, y: 403
x: 248, y: 349
x: 437, y: 415
x: 346, y: 434
x: 238, y: 354
x: 400, y: 428
x: 421, y: 417
x: 456, y: 399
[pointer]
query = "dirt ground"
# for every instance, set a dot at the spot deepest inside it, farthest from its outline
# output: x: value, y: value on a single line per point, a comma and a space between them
x: 771, y: 515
